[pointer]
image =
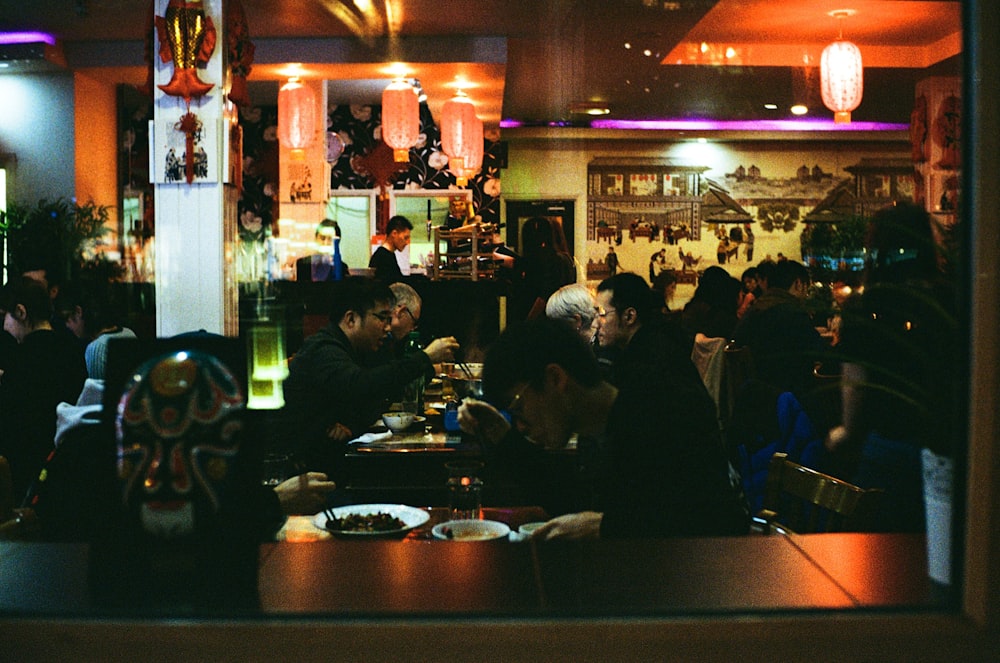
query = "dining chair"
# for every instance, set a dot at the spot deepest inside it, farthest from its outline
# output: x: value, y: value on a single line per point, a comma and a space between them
x: 801, y: 500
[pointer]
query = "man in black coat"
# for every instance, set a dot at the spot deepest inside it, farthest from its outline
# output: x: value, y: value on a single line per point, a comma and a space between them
x: 331, y: 394
x: 662, y: 470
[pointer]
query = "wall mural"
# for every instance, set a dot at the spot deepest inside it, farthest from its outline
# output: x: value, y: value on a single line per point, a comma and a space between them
x: 652, y: 215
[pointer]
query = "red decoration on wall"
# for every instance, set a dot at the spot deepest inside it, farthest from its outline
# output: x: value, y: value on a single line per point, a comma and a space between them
x: 187, y: 37
x: 190, y: 125
x: 240, y: 51
x: 380, y: 165
x: 918, y: 130
x: 948, y: 132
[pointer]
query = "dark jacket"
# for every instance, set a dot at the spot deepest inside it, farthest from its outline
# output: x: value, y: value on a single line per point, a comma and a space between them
x: 47, y: 368
x: 329, y: 383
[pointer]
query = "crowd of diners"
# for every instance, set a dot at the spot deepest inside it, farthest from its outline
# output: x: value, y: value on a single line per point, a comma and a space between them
x: 611, y: 370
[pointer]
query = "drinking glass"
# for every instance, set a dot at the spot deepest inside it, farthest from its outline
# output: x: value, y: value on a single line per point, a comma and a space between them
x: 465, y: 490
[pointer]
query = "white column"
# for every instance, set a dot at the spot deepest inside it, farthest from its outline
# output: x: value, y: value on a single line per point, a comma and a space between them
x: 195, y: 223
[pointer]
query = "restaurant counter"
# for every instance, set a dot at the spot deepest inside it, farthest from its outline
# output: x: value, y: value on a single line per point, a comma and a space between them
x: 417, y: 577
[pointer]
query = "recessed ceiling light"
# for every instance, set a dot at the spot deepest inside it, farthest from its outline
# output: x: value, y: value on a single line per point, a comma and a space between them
x: 647, y: 52
x: 589, y: 109
x: 771, y: 106
x: 628, y: 45
x: 799, y: 109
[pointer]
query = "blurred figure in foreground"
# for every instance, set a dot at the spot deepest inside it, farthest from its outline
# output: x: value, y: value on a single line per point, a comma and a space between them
x: 903, y: 354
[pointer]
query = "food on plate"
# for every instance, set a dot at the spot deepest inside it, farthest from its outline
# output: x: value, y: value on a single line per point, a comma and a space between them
x: 468, y: 535
x: 367, y: 522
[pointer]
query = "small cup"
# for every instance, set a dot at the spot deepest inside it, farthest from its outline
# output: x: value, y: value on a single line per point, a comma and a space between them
x: 274, y: 469
x: 465, y: 490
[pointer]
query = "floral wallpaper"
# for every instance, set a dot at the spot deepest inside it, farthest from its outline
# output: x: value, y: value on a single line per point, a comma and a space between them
x: 359, y: 128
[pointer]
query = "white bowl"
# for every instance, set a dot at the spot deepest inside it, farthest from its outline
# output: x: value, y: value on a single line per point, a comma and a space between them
x: 527, y: 529
x: 470, y: 530
x: 397, y: 421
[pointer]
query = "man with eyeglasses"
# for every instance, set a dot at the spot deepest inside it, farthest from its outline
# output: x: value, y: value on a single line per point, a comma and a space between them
x: 663, y: 470
x: 334, y: 392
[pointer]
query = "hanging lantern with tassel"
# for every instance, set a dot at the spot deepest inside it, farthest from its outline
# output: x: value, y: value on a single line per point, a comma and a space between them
x: 472, y: 158
x: 296, y: 116
x: 400, y: 119
x: 841, y: 76
x: 458, y: 119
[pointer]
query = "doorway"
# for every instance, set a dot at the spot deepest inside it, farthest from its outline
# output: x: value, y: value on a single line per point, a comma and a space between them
x: 558, y: 212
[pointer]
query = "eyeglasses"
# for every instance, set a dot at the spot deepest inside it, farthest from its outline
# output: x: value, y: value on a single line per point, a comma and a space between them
x: 515, y: 403
x: 385, y: 317
x: 601, y: 312
x: 416, y: 321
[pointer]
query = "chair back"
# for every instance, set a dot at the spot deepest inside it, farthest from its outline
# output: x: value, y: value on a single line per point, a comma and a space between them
x: 798, y: 499
x: 737, y: 368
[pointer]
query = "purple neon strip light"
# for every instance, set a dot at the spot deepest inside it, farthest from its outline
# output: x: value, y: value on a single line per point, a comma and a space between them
x: 732, y: 125
x: 26, y: 38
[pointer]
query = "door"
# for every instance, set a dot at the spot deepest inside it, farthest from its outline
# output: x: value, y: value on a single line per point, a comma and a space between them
x: 558, y: 212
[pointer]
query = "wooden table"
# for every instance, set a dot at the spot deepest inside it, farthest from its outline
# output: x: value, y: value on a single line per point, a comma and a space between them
x: 419, y: 577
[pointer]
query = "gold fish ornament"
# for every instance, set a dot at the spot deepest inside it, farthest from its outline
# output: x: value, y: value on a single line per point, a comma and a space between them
x: 187, y: 37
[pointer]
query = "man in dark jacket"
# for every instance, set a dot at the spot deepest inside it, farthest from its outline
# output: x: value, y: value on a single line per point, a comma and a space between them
x: 663, y: 471
x: 331, y: 396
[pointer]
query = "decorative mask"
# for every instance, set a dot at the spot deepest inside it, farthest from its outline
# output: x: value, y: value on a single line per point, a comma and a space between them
x: 177, y: 429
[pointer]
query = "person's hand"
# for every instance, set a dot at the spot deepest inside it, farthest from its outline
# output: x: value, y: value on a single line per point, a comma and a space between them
x: 483, y: 420
x: 571, y: 527
x: 441, y: 349
x: 339, y: 432
x: 836, y: 439
x: 304, y: 494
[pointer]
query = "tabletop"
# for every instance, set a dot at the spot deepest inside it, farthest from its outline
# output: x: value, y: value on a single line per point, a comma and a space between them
x: 420, y: 577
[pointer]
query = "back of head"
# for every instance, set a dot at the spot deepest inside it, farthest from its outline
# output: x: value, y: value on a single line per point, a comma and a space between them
x: 718, y: 289
x: 569, y: 301
x: 786, y: 273
x: 405, y: 295
x: 358, y: 294
x: 901, y: 244
x: 32, y: 295
x: 399, y: 223
x: 327, y: 228
x: 536, y: 235
x: 523, y: 350
x: 630, y: 290
x: 764, y: 270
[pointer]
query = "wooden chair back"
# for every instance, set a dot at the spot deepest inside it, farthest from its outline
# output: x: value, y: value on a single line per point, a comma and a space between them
x: 798, y: 499
x: 737, y: 368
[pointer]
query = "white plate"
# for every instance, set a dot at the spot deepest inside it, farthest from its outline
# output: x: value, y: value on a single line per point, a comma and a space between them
x: 411, y: 516
x: 470, y: 530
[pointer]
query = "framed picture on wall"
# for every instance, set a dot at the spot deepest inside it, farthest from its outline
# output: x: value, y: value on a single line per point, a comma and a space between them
x: 169, y: 152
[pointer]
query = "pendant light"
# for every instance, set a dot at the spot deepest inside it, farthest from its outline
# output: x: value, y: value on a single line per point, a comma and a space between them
x: 296, y: 116
x: 841, y: 74
x: 462, y: 137
x: 400, y: 118
x: 472, y: 160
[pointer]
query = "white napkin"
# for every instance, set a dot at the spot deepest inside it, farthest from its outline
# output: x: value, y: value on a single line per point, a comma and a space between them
x: 368, y: 438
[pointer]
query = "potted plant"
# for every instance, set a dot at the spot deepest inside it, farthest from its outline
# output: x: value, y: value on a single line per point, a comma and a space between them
x: 62, y: 235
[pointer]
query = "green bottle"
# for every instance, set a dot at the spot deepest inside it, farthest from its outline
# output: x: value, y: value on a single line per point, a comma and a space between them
x: 413, y: 393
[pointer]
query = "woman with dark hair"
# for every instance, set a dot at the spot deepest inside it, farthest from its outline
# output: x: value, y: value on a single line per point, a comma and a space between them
x: 899, y: 378
x: 545, y: 265
x: 45, y: 369
x: 712, y: 309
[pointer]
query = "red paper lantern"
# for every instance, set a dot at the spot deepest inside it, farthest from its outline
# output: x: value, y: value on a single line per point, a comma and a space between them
x: 842, y: 79
x: 462, y: 137
x: 472, y: 159
x: 400, y: 119
x: 458, y: 119
x: 296, y: 115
